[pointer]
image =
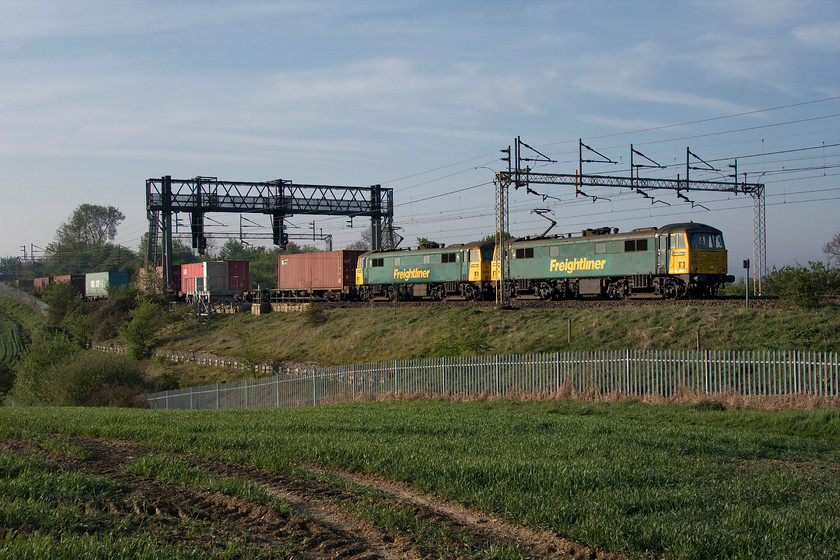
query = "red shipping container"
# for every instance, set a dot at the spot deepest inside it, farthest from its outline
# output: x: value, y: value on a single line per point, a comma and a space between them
x: 215, y: 277
x: 329, y: 270
x: 239, y: 279
x: 192, y: 278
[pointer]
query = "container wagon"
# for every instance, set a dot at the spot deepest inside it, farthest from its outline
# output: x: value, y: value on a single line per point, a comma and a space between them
x: 329, y: 275
x: 97, y: 283
x: 215, y: 277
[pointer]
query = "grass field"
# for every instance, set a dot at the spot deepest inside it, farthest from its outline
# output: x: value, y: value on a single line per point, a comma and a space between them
x: 661, y: 481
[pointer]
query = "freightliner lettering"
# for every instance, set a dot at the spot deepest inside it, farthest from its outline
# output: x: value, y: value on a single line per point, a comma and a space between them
x: 574, y: 265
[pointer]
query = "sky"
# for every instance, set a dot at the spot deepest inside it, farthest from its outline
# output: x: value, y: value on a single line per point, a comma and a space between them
x: 419, y: 97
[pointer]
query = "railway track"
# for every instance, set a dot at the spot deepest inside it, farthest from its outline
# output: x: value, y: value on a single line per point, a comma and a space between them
x: 586, y: 303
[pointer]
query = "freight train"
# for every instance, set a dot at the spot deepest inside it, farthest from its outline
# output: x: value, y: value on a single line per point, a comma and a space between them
x: 674, y: 261
x: 219, y: 278
x: 93, y: 285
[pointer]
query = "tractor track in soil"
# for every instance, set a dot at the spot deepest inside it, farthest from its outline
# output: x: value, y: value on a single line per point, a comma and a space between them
x: 319, y: 523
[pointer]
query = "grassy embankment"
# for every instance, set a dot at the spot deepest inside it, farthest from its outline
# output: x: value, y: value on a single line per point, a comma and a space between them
x: 664, y: 481
x: 362, y: 335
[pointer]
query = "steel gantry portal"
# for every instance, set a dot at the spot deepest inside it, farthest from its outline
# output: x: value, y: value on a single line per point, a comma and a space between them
x: 523, y: 177
x: 278, y: 199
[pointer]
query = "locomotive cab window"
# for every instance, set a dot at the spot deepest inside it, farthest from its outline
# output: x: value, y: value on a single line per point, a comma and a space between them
x: 706, y: 241
x: 677, y: 241
x: 526, y: 253
x: 449, y: 258
x: 377, y: 262
x: 632, y: 245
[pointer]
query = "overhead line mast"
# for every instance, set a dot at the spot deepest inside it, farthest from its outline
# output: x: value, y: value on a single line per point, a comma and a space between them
x: 520, y: 176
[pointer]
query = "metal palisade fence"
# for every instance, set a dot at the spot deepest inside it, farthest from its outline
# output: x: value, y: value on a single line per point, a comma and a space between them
x: 626, y: 372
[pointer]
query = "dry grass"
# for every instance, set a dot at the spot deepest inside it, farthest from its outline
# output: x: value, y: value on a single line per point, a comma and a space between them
x: 730, y: 400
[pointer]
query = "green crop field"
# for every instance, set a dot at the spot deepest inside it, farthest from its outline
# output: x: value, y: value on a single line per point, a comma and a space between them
x: 660, y: 481
x: 11, y: 342
x: 17, y: 321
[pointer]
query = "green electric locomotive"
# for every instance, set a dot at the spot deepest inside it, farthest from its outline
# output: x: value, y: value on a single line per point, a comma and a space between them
x: 674, y: 261
x: 437, y: 272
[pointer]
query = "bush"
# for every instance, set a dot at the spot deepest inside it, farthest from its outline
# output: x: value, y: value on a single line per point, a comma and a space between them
x: 34, y: 373
x: 57, y: 373
x: 7, y: 379
x: 803, y: 287
x: 64, y: 300
x: 97, y: 379
x: 109, y: 314
x: 141, y: 331
x: 314, y: 315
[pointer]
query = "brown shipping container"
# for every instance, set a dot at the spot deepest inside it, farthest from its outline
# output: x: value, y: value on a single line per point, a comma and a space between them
x: 330, y: 270
x: 41, y: 283
x: 77, y: 280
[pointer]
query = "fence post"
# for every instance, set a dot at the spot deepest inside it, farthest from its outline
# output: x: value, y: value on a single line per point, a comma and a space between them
x: 628, y: 370
x: 314, y: 388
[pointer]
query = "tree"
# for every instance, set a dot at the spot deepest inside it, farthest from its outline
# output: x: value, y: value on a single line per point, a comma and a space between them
x: 141, y: 331
x: 235, y: 250
x: 832, y: 249
x: 90, y: 224
x: 492, y: 237
x: 363, y: 243
x: 425, y: 242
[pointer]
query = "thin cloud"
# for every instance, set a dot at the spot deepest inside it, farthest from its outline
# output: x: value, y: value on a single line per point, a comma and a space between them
x: 757, y: 12
x: 822, y: 36
x: 621, y: 124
